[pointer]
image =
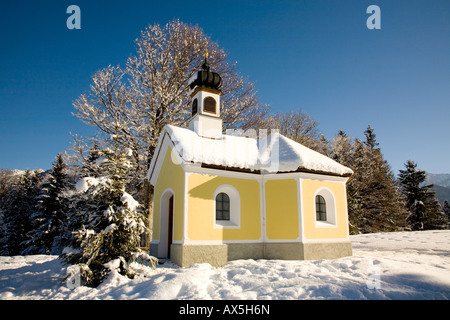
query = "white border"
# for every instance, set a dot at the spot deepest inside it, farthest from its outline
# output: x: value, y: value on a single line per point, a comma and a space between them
x: 215, y: 242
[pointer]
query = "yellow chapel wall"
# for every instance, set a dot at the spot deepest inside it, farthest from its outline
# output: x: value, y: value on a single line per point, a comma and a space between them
x: 201, y: 213
x: 170, y: 176
x: 282, y: 214
x: 281, y: 206
x: 313, y: 230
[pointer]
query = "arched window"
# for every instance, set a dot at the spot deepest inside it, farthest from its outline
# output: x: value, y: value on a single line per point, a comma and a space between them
x: 321, y: 208
x: 194, y: 107
x: 227, y: 207
x: 209, y: 105
x: 222, y: 207
x: 325, y: 206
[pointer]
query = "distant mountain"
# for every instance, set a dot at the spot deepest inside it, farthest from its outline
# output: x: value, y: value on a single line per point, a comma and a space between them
x: 441, y: 179
x: 442, y: 193
x: 441, y: 184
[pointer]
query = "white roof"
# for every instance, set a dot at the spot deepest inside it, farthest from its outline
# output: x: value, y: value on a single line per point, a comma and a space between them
x: 275, y: 153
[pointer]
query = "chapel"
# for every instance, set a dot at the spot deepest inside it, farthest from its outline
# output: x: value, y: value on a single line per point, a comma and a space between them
x: 220, y: 197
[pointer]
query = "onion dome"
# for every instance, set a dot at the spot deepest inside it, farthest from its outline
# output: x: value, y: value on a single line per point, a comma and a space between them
x: 206, y: 78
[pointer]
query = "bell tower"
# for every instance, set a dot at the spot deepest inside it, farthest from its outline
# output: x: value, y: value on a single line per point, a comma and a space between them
x: 205, y: 102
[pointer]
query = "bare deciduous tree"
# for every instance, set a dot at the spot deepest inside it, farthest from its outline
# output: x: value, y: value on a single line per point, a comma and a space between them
x: 132, y: 104
x: 298, y: 126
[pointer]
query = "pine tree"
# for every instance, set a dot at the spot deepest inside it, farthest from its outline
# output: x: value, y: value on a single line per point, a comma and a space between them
x: 424, y: 210
x: 446, y: 209
x: 374, y: 201
x: 19, y: 208
x: 349, y: 154
x: 370, y: 138
x: 50, y: 218
x: 382, y: 200
x: 324, y: 146
x: 111, y: 222
x: 342, y: 149
x: 6, y: 184
x: 90, y: 166
x: 354, y: 158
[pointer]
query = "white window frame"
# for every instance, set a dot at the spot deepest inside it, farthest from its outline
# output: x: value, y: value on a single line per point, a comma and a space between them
x: 330, y: 204
x: 235, y: 208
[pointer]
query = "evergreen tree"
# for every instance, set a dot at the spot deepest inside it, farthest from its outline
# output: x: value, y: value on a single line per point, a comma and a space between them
x: 6, y: 184
x: 349, y: 154
x: 446, y: 209
x: 19, y: 206
x: 50, y: 219
x: 374, y: 201
x: 90, y: 166
x: 382, y: 200
x: 342, y: 149
x: 370, y: 142
x: 110, y: 222
x: 355, y: 186
x: 323, y: 146
x: 424, y: 210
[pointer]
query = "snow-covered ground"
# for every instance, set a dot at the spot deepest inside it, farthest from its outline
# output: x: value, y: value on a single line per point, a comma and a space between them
x: 403, y: 265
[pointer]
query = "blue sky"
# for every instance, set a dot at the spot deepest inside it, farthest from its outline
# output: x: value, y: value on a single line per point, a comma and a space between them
x: 317, y: 56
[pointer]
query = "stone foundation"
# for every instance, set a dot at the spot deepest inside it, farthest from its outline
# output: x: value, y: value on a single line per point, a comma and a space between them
x: 324, y: 250
x: 218, y: 255
x: 186, y: 255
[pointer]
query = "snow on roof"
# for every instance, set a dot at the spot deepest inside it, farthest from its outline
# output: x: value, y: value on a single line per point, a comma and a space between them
x: 228, y: 151
x: 271, y: 154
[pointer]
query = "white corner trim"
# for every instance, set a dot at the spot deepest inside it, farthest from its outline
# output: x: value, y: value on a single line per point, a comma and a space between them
x: 215, y: 242
x: 197, y: 168
x: 262, y: 204
x: 158, y: 158
x: 301, y: 223
x: 185, y: 207
x: 159, y: 155
x: 331, y: 240
x: 219, y: 242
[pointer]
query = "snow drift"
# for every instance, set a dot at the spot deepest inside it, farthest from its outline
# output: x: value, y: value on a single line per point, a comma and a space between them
x: 402, y: 265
